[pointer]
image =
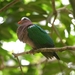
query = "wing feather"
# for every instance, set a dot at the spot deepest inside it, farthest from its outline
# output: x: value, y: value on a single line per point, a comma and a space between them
x: 39, y: 37
x: 41, y: 40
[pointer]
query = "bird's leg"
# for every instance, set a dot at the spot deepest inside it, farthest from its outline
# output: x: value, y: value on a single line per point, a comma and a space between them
x: 32, y: 51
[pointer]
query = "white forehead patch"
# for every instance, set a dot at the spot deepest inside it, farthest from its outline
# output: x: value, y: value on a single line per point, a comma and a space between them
x: 23, y: 18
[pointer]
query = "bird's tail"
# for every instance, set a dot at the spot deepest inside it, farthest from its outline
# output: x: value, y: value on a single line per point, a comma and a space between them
x: 50, y: 55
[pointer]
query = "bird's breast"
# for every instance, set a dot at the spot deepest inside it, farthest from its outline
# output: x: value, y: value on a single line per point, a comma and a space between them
x: 23, y: 36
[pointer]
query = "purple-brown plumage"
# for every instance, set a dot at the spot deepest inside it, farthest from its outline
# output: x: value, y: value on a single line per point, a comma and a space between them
x: 22, y: 32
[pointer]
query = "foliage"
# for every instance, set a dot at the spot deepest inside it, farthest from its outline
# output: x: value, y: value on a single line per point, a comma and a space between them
x: 38, y: 11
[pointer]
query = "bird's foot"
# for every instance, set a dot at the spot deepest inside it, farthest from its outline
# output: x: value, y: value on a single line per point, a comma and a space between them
x: 32, y: 51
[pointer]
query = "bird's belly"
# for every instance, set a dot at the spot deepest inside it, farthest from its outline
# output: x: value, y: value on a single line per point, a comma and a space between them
x: 30, y: 43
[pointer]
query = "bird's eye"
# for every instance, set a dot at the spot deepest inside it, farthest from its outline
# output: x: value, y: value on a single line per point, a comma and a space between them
x: 24, y: 19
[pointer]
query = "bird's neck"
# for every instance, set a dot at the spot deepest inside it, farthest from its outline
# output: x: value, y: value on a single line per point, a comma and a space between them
x: 27, y: 24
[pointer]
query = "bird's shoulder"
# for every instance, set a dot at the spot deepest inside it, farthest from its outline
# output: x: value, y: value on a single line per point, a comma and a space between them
x: 36, y: 28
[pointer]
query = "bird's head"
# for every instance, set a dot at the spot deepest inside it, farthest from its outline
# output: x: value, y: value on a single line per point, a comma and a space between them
x: 24, y: 20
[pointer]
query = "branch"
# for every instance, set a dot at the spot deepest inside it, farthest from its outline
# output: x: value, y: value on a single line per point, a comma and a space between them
x: 46, y: 50
x: 9, y: 5
x: 72, y: 2
x: 55, y: 16
x: 20, y: 65
x: 54, y: 10
x: 64, y: 10
x: 17, y: 66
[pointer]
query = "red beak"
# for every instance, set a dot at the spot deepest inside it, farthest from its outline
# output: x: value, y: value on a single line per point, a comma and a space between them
x: 19, y: 22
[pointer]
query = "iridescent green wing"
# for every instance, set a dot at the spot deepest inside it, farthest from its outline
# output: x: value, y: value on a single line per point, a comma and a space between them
x: 39, y: 37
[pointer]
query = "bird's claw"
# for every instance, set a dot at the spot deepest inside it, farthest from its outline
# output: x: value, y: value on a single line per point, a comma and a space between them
x: 31, y: 52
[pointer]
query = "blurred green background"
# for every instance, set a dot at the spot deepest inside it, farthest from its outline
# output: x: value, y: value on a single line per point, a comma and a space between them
x: 40, y: 12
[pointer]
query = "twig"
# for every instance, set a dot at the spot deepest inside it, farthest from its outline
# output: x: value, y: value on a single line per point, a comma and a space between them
x: 16, y: 66
x: 20, y: 65
x: 55, y: 15
x: 54, y: 10
x: 18, y: 54
x: 48, y: 50
x: 9, y: 5
x: 64, y: 10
